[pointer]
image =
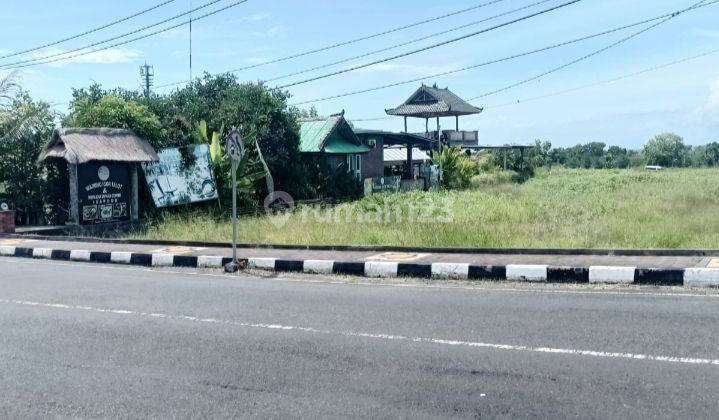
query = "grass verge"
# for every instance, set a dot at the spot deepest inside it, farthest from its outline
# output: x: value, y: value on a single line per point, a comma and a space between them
x: 560, y: 208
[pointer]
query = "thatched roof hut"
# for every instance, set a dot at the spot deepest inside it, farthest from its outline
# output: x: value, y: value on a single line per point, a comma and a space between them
x: 82, y: 145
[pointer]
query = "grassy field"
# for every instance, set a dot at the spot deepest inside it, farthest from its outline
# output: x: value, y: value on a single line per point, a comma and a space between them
x: 560, y: 208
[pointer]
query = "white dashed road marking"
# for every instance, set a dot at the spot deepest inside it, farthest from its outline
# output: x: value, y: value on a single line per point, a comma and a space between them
x: 440, y: 341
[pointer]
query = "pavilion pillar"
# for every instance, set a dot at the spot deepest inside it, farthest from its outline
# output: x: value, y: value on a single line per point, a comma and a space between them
x: 439, y: 136
x: 409, y: 170
x: 456, y: 121
x: 405, y: 123
x: 426, y: 125
x: 134, y: 194
x: 74, y: 200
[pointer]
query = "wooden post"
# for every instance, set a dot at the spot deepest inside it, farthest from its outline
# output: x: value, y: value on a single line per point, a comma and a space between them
x: 410, y: 172
x: 456, y: 121
x: 405, y: 123
x: 74, y: 200
x: 426, y: 125
x: 439, y: 136
x: 134, y: 193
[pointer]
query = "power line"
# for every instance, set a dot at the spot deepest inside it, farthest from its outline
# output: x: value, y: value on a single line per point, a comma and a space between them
x: 495, y: 61
x: 586, y: 86
x: 41, y: 60
x: 349, y: 42
x: 90, y: 31
x: 593, y: 53
x: 429, y: 47
x: 608, y: 81
x: 137, y: 38
x: 413, y: 41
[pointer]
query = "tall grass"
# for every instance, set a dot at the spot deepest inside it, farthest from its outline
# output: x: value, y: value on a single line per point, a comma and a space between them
x: 560, y: 208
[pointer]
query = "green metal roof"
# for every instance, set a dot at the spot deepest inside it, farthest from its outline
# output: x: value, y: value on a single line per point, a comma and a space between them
x: 331, y: 135
x: 314, y: 133
x: 341, y: 146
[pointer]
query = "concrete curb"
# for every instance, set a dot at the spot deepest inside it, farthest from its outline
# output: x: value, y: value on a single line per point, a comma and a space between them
x: 689, y: 277
x: 647, y: 252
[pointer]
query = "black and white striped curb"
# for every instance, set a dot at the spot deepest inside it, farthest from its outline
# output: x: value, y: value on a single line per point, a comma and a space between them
x: 690, y: 277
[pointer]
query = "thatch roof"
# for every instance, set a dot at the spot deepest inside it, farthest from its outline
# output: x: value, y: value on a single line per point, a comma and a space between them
x: 82, y: 145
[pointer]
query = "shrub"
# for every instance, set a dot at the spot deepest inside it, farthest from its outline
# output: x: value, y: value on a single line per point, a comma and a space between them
x: 457, y: 168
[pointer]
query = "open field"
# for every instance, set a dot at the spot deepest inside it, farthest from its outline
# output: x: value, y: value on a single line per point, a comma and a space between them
x: 560, y: 208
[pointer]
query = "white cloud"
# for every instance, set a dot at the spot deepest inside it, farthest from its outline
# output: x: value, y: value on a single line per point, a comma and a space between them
x: 706, y: 33
x: 408, y: 69
x: 108, y: 56
x: 272, y: 32
x: 714, y: 93
x: 251, y: 18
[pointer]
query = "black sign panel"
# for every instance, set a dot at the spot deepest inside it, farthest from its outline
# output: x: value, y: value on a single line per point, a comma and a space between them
x: 103, y: 192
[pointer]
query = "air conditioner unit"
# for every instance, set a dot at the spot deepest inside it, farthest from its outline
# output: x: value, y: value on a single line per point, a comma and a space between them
x: 6, y: 204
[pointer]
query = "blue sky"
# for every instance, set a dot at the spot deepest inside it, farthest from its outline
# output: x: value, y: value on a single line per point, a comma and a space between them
x: 682, y: 98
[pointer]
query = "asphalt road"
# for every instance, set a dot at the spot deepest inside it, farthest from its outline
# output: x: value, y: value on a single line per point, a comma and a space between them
x: 85, y: 340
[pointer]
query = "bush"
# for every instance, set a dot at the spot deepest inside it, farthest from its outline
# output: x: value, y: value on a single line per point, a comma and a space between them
x: 457, y: 168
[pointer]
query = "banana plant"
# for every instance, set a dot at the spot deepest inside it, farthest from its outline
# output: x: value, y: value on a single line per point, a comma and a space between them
x: 251, y: 168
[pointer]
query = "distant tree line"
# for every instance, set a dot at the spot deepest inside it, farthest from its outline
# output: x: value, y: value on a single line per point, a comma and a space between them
x: 666, y: 150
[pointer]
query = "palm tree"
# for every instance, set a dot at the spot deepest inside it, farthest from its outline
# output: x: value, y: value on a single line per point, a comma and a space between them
x: 21, y: 121
x: 8, y: 89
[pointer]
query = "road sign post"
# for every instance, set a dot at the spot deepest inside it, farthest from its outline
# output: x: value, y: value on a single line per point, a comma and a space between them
x: 235, y: 150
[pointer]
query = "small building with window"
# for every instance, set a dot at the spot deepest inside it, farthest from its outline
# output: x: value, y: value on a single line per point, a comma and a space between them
x: 333, y: 140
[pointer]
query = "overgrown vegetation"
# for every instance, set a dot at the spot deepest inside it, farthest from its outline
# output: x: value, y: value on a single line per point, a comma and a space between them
x: 562, y: 208
x: 457, y: 167
x: 25, y: 126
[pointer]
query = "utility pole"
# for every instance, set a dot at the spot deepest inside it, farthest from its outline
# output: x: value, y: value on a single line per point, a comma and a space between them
x: 147, y: 74
x: 190, y: 42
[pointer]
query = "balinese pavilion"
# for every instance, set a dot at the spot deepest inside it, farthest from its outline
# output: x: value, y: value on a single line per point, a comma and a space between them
x: 435, y: 103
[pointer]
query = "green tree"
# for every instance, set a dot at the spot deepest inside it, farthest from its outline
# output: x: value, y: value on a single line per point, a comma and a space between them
x: 260, y: 112
x: 616, y: 157
x: 25, y: 127
x: 666, y: 150
x: 115, y: 112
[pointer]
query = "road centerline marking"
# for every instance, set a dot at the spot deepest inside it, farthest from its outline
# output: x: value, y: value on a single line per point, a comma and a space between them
x: 378, y: 336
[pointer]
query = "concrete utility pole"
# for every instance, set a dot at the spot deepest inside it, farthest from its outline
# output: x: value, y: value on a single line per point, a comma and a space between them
x: 147, y: 73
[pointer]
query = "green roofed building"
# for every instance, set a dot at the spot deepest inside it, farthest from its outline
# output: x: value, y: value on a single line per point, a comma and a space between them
x: 334, y: 140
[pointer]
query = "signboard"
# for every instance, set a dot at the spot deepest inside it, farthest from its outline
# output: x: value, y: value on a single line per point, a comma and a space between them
x: 235, y: 147
x: 103, y: 192
x: 171, y: 183
x: 382, y: 184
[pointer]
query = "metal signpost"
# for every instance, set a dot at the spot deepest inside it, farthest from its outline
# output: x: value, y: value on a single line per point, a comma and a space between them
x: 235, y: 150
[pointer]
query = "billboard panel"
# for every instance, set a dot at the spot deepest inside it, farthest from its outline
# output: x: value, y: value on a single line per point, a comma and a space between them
x: 171, y: 183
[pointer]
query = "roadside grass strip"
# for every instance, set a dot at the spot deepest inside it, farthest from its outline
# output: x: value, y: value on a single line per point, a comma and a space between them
x: 688, y: 277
